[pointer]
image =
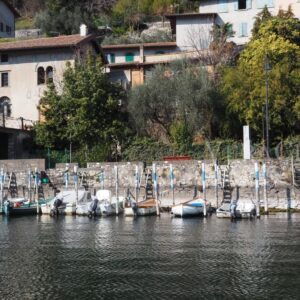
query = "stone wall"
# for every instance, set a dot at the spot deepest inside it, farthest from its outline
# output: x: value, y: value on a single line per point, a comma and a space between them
x: 187, y: 180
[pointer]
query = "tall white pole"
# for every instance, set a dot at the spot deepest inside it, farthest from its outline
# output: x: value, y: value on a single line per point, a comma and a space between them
x: 216, y: 184
x: 67, y: 176
x: 265, y: 189
x: 172, y: 182
x: 154, y: 176
x: 136, y: 183
x: 204, y: 189
x: 76, y: 182
x: 257, y: 189
x: 117, y: 189
x: 1, y: 189
x: 29, y: 184
x: 36, y: 183
x: 101, y: 179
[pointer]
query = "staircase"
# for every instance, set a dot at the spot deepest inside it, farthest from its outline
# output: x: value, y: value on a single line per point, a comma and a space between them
x: 227, y: 190
x: 296, y: 180
x: 149, y: 184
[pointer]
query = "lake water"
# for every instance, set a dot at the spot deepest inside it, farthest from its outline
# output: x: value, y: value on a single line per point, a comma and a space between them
x: 150, y: 258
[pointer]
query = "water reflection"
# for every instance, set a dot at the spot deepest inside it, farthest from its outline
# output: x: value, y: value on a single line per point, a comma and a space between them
x: 153, y: 258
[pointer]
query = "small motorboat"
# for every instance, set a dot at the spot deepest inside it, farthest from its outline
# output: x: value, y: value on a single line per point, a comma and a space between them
x: 142, y: 208
x: 64, y: 203
x: 108, y: 204
x: 237, y: 210
x: 19, y: 206
x: 190, y: 208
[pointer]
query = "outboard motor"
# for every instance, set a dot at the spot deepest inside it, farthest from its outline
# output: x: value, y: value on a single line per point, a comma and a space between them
x: 57, y: 203
x: 93, y: 208
x: 233, y: 210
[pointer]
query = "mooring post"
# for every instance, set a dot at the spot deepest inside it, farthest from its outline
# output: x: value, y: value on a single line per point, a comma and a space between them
x: 172, y: 183
x: 257, y: 190
x: 265, y: 188
x: 29, y: 184
x: 67, y: 176
x: 136, y: 184
x: 216, y: 184
x: 117, y: 189
x: 76, y: 183
x: 101, y: 178
x: 154, y: 176
x: 36, y: 183
x: 1, y: 189
x: 204, y: 189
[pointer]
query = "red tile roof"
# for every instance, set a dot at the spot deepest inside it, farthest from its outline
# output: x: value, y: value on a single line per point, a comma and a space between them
x: 63, y: 41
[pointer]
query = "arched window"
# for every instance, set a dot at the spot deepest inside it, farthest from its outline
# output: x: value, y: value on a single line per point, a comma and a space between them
x: 40, y: 75
x: 49, y: 74
x: 5, y: 106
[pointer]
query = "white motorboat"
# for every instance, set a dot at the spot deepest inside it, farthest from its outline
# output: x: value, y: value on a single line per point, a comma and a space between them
x: 237, y: 210
x: 65, y: 202
x: 91, y: 208
x: 143, y: 208
x: 108, y: 204
x: 190, y: 208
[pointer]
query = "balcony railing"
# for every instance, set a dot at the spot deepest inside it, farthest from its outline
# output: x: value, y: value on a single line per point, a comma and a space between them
x: 15, y: 123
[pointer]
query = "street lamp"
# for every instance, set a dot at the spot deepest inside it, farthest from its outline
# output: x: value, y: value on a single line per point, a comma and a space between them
x: 267, y: 68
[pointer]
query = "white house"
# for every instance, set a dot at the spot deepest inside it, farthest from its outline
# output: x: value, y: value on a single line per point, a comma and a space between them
x: 8, y: 14
x: 25, y: 68
x: 193, y: 30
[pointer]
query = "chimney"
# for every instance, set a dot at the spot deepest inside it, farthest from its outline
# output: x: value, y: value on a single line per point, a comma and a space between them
x: 83, y: 30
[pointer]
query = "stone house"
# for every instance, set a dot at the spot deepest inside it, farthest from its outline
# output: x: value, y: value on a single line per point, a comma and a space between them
x: 25, y: 68
x: 8, y: 14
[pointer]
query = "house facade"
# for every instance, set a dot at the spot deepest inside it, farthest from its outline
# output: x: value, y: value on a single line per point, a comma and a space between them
x: 131, y: 64
x: 25, y: 68
x: 8, y: 14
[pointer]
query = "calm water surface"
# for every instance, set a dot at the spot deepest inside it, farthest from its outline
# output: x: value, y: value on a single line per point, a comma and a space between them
x: 149, y: 258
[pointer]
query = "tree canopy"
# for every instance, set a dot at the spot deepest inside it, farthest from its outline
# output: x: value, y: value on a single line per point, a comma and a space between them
x: 276, y: 43
x: 85, y: 112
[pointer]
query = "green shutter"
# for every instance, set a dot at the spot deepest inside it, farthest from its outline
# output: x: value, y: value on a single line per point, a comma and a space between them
x: 129, y: 57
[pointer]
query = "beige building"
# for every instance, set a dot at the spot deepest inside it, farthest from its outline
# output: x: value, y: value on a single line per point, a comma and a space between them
x: 7, y: 19
x: 25, y: 68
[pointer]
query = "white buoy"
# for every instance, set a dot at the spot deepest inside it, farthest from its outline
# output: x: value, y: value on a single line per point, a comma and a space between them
x: 154, y: 176
x: 204, y: 189
x: 117, y: 189
x: 172, y: 182
x: 257, y: 189
x: 76, y: 182
x: 265, y: 189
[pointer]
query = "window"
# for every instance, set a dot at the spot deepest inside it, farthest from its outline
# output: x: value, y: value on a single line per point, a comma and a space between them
x: 242, y: 4
x: 40, y: 75
x: 4, y: 57
x: 223, y: 6
x: 129, y: 57
x: 1, y: 27
x: 4, y: 79
x: 111, y: 58
x: 5, y: 106
x: 243, y: 29
x: 8, y: 29
x: 49, y: 74
x: 263, y: 3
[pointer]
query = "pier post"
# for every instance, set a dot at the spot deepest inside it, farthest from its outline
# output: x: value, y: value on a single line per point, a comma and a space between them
x: 101, y: 178
x: 36, y: 183
x: 1, y: 189
x: 136, y: 184
x: 29, y: 184
x: 117, y: 189
x: 265, y: 189
x: 172, y: 182
x: 154, y: 176
x: 76, y: 183
x: 257, y: 190
x: 204, y: 189
x: 216, y: 184
x: 67, y: 176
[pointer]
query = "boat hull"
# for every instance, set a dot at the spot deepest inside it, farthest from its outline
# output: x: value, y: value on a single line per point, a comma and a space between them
x: 140, y: 211
x: 190, y: 208
x: 10, y: 210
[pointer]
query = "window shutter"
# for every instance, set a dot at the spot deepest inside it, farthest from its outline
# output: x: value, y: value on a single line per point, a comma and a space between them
x: 245, y: 29
x: 236, y: 5
x: 240, y: 29
x: 249, y: 4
